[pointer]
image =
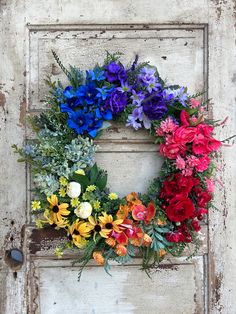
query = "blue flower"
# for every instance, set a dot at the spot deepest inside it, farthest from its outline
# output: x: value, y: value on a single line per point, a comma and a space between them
x: 124, y: 87
x: 95, y: 75
x: 137, y: 98
x: 69, y: 92
x: 103, y: 113
x: 103, y: 92
x: 86, y: 93
x: 78, y: 120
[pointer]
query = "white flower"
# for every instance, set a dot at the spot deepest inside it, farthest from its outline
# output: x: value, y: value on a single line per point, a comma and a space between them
x: 84, y: 210
x: 73, y: 189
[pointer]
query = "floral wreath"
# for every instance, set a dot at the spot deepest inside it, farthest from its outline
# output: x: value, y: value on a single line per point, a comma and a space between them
x: 71, y: 191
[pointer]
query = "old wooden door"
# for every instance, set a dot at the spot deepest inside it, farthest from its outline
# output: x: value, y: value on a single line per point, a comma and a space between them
x: 192, y: 43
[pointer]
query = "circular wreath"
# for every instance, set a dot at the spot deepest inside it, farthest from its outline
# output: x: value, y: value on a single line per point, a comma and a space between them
x: 71, y: 190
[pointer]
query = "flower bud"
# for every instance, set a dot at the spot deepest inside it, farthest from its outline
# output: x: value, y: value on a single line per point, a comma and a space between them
x: 99, y: 259
x: 111, y: 242
x: 84, y: 210
x: 121, y: 250
x: 162, y: 252
x: 147, y: 240
x: 73, y: 189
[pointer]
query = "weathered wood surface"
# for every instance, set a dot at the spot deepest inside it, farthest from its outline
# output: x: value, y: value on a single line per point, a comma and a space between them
x: 80, y: 32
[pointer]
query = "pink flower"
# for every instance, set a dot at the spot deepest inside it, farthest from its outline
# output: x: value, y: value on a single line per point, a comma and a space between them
x: 194, y: 103
x: 203, y: 163
x: 210, y: 185
x: 167, y: 126
x: 172, y: 150
x: 180, y: 163
x: 187, y: 172
x: 192, y: 161
x: 184, y: 118
x: 183, y: 135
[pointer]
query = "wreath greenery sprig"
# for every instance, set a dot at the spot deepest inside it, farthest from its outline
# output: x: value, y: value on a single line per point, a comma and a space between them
x: 71, y: 190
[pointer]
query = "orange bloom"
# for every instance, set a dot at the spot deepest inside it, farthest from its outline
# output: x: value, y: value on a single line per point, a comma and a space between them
x: 99, y: 259
x: 162, y: 252
x: 111, y: 242
x: 140, y: 212
x: 133, y: 199
x: 122, y: 212
x: 121, y: 250
x: 161, y: 222
x: 147, y: 240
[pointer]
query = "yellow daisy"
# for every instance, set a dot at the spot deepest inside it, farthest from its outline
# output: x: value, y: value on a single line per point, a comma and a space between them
x: 35, y: 205
x: 108, y: 223
x: 113, y: 196
x: 62, y: 192
x: 78, y: 232
x: 63, y: 181
x: 96, y: 204
x: 98, y: 228
x: 91, y: 188
x: 58, y: 211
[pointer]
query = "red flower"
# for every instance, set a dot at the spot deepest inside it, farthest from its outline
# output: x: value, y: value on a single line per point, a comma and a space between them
x: 184, y: 135
x: 140, y: 212
x: 180, y: 208
x: 201, y: 212
x: 177, y: 184
x: 184, y: 118
x: 204, y: 129
x: 213, y: 144
x: 175, y: 236
x: 200, y: 145
x: 203, y: 197
x: 196, y: 225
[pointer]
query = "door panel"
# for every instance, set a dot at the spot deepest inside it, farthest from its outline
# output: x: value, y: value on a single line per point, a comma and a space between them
x: 187, y: 42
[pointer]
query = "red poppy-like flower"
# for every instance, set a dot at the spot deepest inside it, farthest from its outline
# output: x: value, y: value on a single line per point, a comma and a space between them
x: 201, y: 212
x: 200, y: 145
x: 203, y: 197
x: 140, y: 212
x: 180, y: 208
x: 196, y: 225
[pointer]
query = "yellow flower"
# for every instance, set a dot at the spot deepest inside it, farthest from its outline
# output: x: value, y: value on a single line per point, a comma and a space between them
x: 80, y: 171
x: 98, y: 228
x: 74, y: 202
x: 58, y: 252
x: 79, y: 231
x: 62, y: 192
x: 39, y: 223
x: 58, y: 211
x: 91, y: 188
x: 113, y: 196
x: 96, y: 204
x: 52, y: 219
x: 108, y: 223
x: 35, y: 205
x: 63, y: 181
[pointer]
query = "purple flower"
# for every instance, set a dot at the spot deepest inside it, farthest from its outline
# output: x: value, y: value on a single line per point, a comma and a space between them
x: 115, y: 72
x: 136, y: 117
x: 148, y: 79
x: 116, y: 102
x: 124, y: 87
x: 155, y: 108
x: 137, y: 98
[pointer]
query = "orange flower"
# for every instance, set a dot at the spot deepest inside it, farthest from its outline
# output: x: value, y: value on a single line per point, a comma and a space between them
x: 140, y: 212
x: 133, y: 199
x: 147, y: 240
x: 111, y: 242
x: 162, y: 252
x: 161, y: 222
x: 99, y: 259
x: 121, y: 250
x: 122, y: 212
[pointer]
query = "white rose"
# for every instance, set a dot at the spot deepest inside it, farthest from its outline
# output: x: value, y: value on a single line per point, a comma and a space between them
x: 73, y: 189
x: 84, y: 210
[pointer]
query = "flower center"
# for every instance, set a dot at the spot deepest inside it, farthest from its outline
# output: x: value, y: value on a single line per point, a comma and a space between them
x: 70, y: 237
x: 55, y: 209
x: 76, y: 232
x: 108, y: 225
x: 97, y: 228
